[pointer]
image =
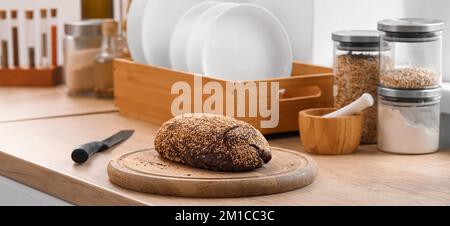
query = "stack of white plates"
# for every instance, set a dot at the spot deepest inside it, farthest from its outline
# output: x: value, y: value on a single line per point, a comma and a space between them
x: 229, y: 40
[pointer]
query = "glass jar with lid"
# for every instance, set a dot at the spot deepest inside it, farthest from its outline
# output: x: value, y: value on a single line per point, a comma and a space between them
x: 409, y: 121
x: 414, y: 57
x: 356, y: 70
x: 82, y: 44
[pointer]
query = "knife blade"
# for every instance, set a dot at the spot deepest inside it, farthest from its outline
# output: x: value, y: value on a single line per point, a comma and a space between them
x: 82, y: 153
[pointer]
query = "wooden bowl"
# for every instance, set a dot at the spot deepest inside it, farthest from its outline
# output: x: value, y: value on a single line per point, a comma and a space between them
x: 323, y: 136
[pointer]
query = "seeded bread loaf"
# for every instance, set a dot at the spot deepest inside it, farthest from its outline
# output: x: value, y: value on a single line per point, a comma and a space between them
x: 213, y: 142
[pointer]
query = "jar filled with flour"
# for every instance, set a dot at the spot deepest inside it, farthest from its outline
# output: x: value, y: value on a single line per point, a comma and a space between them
x: 408, y: 120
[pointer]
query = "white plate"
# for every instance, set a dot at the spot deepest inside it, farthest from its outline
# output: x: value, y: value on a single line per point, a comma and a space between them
x: 159, y: 20
x: 240, y: 42
x: 182, y: 32
x: 134, y: 28
x: 157, y: 24
x: 198, y: 36
x: 160, y: 24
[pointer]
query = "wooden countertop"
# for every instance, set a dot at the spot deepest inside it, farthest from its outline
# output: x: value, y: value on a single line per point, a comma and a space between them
x: 18, y: 104
x: 40, y: 127
x: 37, y: 153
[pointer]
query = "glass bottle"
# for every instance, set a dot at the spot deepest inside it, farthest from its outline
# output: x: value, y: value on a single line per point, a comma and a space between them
x: 4, y: 40
x: 54, y: 36
x: 15, y: 39
x: 44, y: 39
x: 124, y: 7
x: 111, y: 48
x: 30, y: 37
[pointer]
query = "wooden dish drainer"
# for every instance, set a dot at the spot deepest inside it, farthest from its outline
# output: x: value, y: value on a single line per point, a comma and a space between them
x: 144, y: 92
x: 20, y: 77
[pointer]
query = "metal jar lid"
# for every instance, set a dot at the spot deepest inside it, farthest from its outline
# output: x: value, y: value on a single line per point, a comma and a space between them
x: 84, y: 28
x: 411, y: 25
x: 356, y: 36
x: 410, y: 94
x: 357, y: 40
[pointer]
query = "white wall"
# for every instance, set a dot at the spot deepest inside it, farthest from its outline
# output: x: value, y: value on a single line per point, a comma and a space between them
x: 68, y: 10
x: 297, y: 17
x: 438, y: 9
x: 332, y: 15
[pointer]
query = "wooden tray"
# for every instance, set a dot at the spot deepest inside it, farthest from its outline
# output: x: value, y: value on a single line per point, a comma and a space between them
x: 144, y: 92
x: 145, y: 171
x: 47, y: 77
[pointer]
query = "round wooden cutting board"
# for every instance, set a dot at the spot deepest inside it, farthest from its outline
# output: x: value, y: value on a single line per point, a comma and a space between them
x: 145, y: 171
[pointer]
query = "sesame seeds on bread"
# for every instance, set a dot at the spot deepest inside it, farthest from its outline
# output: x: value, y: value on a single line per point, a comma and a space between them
x: 213, y: 142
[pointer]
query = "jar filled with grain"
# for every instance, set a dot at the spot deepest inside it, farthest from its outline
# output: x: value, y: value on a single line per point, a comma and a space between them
x: 356, y: 70
x: 415, y: 53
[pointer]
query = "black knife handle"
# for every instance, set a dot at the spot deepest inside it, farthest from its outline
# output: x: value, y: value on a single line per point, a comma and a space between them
x: 81, y: 154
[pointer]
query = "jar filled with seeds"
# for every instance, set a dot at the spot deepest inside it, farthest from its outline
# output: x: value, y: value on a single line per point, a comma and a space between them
x: 415, y: 51
x: 82, y: 43
x: 356, y: 70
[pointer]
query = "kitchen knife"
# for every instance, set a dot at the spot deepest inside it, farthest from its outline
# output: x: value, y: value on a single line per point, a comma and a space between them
x: 81, y: 154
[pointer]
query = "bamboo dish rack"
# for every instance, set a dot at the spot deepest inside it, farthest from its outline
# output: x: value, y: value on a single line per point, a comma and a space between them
x: 143, y: 92
x: 45, y: 77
